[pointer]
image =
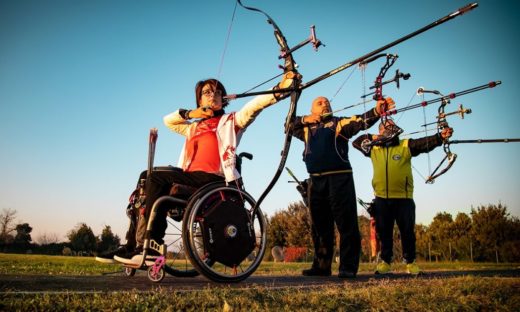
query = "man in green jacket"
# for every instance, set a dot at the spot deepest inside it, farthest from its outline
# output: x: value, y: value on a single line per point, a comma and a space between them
x: 393, y: 188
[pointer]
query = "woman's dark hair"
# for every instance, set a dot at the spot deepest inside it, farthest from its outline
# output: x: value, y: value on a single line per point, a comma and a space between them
x: 216, y: 84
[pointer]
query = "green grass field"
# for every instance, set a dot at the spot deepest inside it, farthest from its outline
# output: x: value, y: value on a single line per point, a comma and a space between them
x: 468, y: 293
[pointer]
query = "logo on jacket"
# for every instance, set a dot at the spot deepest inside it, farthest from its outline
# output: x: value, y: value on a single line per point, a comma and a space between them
x: 396, y: 157
x: 229, y: 153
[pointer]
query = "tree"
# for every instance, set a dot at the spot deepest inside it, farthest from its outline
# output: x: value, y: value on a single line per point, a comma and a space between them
x: 108, y: 240
x: 298, y: 225
x: 440, y: 234
x: 47, y: 239
x: 23, y: 234
x: 82, y: 238
x: 7, y: 226
x: 277, y: 230
x: 422, y: 241
x: 461, y: 234
x: 490, y: 229
x: 290, y: 227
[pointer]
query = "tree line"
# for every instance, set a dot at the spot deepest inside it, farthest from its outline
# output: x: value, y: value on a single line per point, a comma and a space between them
x: 16, y: 238
x: 488, y: 233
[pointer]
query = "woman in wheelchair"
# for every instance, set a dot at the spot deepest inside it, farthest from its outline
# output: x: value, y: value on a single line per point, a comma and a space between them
x: 208, y: 154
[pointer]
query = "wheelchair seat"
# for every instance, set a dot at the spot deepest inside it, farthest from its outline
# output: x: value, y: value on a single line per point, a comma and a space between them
x: 182, y: 191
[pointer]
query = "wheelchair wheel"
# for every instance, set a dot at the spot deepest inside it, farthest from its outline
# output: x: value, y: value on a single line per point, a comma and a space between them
x: 224, y: 240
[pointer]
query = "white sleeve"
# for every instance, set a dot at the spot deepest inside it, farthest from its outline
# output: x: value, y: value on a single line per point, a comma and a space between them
x: 176, y: 123
x: 245, y: 116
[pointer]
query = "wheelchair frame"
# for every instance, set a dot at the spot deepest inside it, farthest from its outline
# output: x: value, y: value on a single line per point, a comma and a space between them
x: 193, y: 243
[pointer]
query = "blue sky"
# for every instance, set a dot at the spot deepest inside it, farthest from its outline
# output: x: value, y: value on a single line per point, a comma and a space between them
x: 82, y: 82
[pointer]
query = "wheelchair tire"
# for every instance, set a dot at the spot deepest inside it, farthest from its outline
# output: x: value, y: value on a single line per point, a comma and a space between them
x: 214, y: 264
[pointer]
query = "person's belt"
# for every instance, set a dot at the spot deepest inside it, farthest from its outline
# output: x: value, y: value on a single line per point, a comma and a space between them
x: 330, y: 172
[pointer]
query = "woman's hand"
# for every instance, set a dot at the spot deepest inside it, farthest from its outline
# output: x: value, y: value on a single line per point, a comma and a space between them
x: 201, y: 112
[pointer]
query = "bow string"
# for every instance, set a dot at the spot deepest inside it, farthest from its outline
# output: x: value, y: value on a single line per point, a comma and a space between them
x: 289, y: 65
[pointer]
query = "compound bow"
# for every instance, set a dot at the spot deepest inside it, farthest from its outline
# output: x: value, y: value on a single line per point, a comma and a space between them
x: 442, y: 123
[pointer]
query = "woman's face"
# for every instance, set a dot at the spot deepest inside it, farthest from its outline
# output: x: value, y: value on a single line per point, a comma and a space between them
x: 211, y: 98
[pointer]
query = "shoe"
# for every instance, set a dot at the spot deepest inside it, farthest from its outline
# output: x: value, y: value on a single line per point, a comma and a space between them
x: 108, y: 257
x: 316, y: 272
x: 412, y: 268
x: 383, y: 268
x: 346, y: 274
x: 136, y: 257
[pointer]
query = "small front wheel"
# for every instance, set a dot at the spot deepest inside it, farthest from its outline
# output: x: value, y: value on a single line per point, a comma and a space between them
x: 155, y: 275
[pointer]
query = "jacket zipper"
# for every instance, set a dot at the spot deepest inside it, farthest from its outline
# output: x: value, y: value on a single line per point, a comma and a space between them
x: 386, y: 169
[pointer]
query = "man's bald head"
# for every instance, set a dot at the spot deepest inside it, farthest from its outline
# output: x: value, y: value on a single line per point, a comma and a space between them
x: 320, y: 106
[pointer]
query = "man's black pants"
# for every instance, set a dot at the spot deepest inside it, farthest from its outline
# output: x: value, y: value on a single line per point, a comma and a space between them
x: 402, y: 212
x: 333, y: 200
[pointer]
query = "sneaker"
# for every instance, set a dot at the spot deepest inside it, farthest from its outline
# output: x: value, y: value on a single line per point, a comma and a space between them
x: 316, y: 272
x: 108, y: 257
x: 383, y: 268
x: 136, y: 257
x: 346, y: 274
x: 412, y: 268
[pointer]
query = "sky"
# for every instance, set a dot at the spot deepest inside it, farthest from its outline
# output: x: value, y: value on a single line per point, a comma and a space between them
x: 82, y: 82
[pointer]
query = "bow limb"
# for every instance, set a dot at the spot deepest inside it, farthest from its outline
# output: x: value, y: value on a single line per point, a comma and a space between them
x: 378, y: 83
x: 450, y: 157
x: 289, y: 65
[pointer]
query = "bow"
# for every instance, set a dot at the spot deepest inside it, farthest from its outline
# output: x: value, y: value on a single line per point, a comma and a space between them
x: 442, y: 123
x: 398, y: 75
x: 378, y: 84
x: 449, y: 156
x: 391, y: 131
x: 289, y: 65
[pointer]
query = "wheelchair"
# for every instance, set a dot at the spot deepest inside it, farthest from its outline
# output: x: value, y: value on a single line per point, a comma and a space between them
x: 216, y: 233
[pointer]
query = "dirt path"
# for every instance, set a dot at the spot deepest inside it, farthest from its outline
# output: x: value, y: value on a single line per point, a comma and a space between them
x: 118, y: 282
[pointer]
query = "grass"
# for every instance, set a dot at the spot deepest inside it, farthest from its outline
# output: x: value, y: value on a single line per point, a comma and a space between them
x: 456, y: 294
x: 63, y: 265
x: 50, y: 265
x: 468, y: 293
